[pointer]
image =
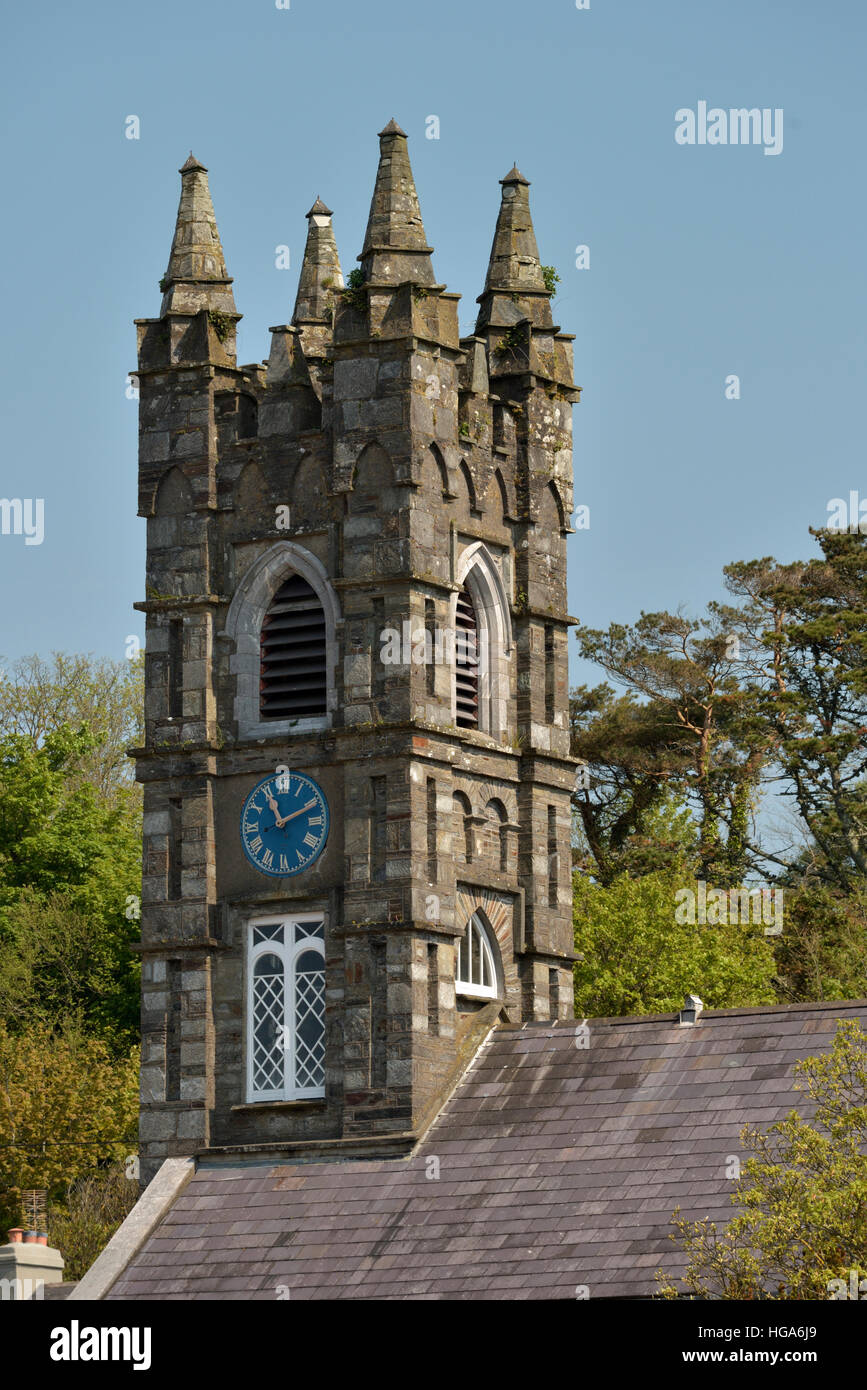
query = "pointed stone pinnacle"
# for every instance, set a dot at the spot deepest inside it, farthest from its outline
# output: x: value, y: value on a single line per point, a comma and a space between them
x: 514, y: 263
x: 320, y: 273
x: 196, y: 276
x: 395, y: 247
x: 515, y: 286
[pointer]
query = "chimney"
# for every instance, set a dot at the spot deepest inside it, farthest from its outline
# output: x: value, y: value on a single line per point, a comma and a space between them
x: 27, y: 1266
x: 692, y: 1007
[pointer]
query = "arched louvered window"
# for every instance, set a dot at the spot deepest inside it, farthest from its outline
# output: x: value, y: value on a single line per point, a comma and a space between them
x: 466, y: 662
x: 286, y: 1010
x: 293, y: 681
x: 475, y: 972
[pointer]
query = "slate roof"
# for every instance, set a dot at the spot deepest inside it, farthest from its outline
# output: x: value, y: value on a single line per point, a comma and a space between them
x: 557, y: 1167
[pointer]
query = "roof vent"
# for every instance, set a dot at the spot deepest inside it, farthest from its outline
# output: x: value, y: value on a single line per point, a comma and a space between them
x: 692, y: 1007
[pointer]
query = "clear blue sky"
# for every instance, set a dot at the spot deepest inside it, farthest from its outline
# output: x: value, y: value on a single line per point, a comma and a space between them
x: 704, y: 261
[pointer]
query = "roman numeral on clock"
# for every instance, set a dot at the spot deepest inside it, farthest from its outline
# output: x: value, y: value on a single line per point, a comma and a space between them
x: 310, y: 840
x: 314, y: 820
x: 284, y: 863
x: 256, y: 844
x: 268, y: 858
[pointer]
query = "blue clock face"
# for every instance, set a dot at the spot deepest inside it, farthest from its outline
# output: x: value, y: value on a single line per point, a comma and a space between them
x: 284, y: 824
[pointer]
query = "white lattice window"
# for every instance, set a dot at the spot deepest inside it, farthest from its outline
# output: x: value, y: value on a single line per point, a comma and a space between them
x: 286, y: 1009
x: 476, y: 972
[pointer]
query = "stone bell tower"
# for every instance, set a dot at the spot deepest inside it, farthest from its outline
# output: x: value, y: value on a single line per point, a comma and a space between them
x: 356, y: 575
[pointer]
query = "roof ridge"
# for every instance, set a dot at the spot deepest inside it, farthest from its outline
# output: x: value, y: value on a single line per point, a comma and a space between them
x: 563, y: 1025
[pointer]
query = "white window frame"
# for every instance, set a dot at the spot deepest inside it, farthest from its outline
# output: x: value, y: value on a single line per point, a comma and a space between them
x: 288, y: 953
x: 469, y: 988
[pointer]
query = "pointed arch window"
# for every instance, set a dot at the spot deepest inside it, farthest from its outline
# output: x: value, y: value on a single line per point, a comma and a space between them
x: 286, y: 1010
x: 475, y: 970
x: 483, y: 644
x: 293, y: 676
x: 466, y: 662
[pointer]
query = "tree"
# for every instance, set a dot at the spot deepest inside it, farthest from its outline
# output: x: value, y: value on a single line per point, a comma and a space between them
x: 683, y: 671
x: 631, y: 814
x: 822, y: 952
x: 802, y: 631
x: 93, y: 1207
x: 70, y: 868
x: 801, y: 1232
x: 39, y: 696
x: 637, y: 958
x: 66, y: 1104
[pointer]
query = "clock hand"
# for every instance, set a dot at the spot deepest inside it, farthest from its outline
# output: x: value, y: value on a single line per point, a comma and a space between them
x: 293, y: 814
x: 279, y: 820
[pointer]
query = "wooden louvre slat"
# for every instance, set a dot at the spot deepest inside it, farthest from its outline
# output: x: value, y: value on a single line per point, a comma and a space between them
x: 466, y: 663
x: 292, y: 683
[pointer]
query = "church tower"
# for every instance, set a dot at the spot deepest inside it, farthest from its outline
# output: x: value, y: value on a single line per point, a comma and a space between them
x: 356, y: 767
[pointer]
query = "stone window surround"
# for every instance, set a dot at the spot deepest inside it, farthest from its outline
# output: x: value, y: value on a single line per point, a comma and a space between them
x: 243, y: 626
x: 478, y: 572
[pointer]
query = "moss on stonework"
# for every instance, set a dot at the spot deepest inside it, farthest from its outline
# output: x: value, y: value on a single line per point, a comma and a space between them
x: 157, y: 597
x: 221, y: 323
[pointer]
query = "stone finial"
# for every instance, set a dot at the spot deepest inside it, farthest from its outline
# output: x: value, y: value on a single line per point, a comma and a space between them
x: 196, y: 276
x: 320, y: 275
x: 515, y: 286
x: 514, y: 263
x: 395, y: 246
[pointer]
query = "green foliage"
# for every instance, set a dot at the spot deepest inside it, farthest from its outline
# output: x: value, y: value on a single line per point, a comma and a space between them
x: 66, y: 1105
x: 354, y: 294
x: 70, y: 846
x: 633, y: 817
x: 822, y: 952
x: 512, y: 343
x: 94, y: 1206
x: 38, y: 696
x: 772, y: 686
x: 802, y: 1195
x: 687, y: 713
x: 803, y: 631
x: 221, y: 323
x: 638, y: 959
x: 552, y: 279
x: 68, y: 864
